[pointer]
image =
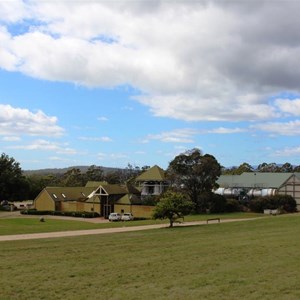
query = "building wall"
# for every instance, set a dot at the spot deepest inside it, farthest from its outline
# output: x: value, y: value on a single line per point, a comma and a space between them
x: 142, y: 211
x: 123, y: 208
x: 92, y: 207
x: 292, y: 188
x: 138, y: 211
x: 80, y: 206
x: 69, y: 206
x: 44, y: 202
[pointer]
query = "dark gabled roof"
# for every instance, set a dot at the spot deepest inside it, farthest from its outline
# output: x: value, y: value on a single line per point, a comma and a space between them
x: 254, y: 179
x: 117, y: 189
x: 129, y: 199
x: 114, y: 189
x: 69, y: 193
x: 153, y: 174
x: 132, y: 189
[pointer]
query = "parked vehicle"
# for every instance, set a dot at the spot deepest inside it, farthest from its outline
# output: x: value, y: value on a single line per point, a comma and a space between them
x: 114, y: 217
x: 127, y: 217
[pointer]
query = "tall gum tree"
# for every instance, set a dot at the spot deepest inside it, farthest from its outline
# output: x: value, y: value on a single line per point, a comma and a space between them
x: 194, y: 173
x: 13, y: 185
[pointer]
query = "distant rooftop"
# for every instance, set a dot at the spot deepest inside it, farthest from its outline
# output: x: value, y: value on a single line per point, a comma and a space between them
x: 153, y: 174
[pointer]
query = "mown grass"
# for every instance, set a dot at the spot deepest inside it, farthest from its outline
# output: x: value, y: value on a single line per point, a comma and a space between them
x: 241, y: 260
x: 33, y: 225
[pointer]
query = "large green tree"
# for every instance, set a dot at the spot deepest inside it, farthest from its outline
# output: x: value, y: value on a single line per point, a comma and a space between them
x: 94, y: 173
x: 172, y: 206
x: 194, y: 173
x: 244, y: 167
x: 38, y: 182
x: 73, y: 177
x: 13, y: 185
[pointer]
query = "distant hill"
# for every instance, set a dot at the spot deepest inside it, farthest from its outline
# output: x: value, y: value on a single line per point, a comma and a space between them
x: 59, y: 171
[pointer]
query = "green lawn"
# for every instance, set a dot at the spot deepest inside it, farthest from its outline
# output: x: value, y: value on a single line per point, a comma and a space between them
x: 240, y: 260
x: 33, y: 225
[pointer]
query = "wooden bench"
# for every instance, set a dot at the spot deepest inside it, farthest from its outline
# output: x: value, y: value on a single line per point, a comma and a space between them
x: 213, y: 219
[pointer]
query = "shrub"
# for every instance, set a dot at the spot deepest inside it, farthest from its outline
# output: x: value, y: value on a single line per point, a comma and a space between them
x: 285, y: 203
x: 211, y: 202
x: 217, y: 204
x: 232, y: 205
x: 78, y: 214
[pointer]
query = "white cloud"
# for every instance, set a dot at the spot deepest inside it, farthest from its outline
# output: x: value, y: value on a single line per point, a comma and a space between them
x: 290, y: 128
x: 13, y: 10
x: 287, y: 152
x: 140, y: 152
x: 186, y: 135
x: 111, y: 156
x: 175, y: 136
x: 58, y: 158
x: 223, y: 130
x: 102, y: 119
x: 43, y: 145
x: 11, y: 139
x: 290, y: 107
x: 20, y: 121
x: 96, y: 139
x: 191, y: 60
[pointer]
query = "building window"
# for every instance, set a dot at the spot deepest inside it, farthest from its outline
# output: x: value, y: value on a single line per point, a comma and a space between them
x: 63, y: 195
x: 54, y: 196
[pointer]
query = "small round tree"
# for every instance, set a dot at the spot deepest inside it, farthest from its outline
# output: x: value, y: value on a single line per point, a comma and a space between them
x: 172, y: 206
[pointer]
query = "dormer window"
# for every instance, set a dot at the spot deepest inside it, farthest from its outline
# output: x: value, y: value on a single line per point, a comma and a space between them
x: 83, y: 194
x: 63, y: 195
x: 54, y: 196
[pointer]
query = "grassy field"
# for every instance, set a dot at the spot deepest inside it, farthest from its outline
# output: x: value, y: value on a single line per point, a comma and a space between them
x: 33, y: 225
x: 240, y: 260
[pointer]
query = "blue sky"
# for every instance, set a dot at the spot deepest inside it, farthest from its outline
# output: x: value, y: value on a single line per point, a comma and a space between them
x: 117, y: 82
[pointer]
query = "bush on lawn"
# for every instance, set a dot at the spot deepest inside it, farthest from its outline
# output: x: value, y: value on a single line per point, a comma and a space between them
x: 285, y: 203
x: 211, y: 202
x: 233, y: 205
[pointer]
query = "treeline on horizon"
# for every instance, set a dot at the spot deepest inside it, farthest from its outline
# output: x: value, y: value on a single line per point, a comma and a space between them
x: 264, y: 167
x: 15, y: 184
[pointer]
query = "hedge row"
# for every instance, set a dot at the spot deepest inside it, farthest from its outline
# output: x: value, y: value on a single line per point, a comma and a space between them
x: 219, y: 204
x: 81, y: 214
x: 285, y: 203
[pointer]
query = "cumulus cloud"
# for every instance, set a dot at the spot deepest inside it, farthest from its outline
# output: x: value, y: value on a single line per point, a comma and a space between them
x: 287, y: 152
x: 290, y: 128
x: 44, y: 145
x: 11, y: 138
x: 175, y: 136
x: 20, y: 121
x: 186, y: 135
x: 190, y: 60
x: 111, y: 156
x: 223, y: 130
x: 288, y: 106
x: 96, y: 139
x: 102, y: 119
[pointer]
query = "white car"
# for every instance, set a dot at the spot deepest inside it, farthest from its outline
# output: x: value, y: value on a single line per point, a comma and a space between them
x: 127, y: 217
x: 114, y: 217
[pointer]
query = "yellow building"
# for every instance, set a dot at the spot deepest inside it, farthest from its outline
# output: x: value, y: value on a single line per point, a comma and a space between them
x: 103, y: 199
x: 67, y: 199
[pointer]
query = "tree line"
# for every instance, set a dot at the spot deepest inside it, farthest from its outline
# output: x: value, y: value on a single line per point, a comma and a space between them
x: 263, y: 167
x: 191, y: 172
x: 14, y: 185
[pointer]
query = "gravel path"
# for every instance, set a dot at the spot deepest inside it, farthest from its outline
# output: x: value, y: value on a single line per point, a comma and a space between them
x: 59, y: 234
